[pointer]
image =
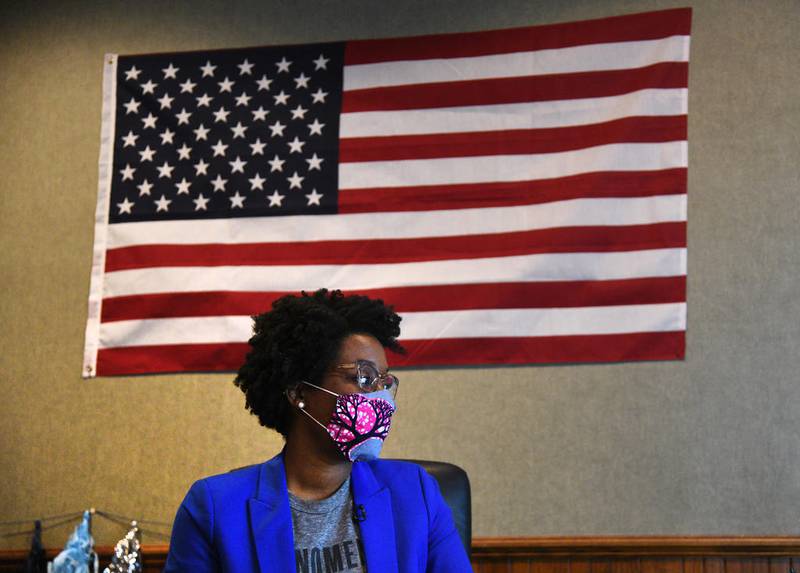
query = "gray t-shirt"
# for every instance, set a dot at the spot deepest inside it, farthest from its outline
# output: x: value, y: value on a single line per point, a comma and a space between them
x: 326, y: 539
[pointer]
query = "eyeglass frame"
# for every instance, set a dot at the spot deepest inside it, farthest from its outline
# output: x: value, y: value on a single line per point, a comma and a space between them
x: 381, y: 378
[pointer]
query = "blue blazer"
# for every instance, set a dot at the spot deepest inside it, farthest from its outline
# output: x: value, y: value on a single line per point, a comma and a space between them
x: 241, y: 522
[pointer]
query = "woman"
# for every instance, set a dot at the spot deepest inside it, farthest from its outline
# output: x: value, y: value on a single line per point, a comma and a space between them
x: 317, y: 373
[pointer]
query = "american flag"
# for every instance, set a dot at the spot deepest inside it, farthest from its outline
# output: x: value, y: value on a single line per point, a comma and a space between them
x: 518, y: 195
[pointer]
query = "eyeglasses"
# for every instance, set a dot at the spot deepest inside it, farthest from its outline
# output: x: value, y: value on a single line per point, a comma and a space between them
x: 369, y: 378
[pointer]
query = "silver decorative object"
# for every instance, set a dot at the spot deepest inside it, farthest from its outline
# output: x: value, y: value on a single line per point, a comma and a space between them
x: 127, y: 556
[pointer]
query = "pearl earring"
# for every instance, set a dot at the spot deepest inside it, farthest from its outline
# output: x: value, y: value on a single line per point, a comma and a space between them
x: 301, y: 404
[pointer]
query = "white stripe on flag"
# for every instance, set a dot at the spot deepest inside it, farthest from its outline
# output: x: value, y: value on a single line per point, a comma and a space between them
x: 593, y: 57
x: 496, y: 168
x: 294, y: 278
x: 205, y: 330
x: 544, y: 321
x: 416, y: 325
x: 533, y: 115
x: 610, y: 211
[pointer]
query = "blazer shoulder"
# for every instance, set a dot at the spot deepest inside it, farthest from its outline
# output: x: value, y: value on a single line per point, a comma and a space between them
x: 237, y: 483
x: 389, y: 471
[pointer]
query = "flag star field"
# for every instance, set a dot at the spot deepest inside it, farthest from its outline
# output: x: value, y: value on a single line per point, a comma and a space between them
x: 227, y: 134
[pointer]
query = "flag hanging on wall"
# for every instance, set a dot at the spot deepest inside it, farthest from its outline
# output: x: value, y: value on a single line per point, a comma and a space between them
x: 518, y: 195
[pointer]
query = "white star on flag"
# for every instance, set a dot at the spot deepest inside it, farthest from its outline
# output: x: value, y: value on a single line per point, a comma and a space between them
x: 276, y: 163
x: 187, y: 86
x: 256, y: 182
x: 296, y: 145
x: 221, y: 115
x: 128, y: 172
x: 315, y: 163
x: 146, y: 154
x: 219, y: 183
x: 163, y: 204
x: 299, y: 112
x: 301, y: 81
x: 275, y: 199
x: 243, y: 100
x: 170, y: 71
x: 132, y: 74
x: 277, y: 128
x: 237, y: 165
x: 245, y: 68
x: 321, y: 62
x: 165, y: 171
x: 183, y: 116
x: 149, y: 121
x: 294, y: 181
x: 238, y: 130
x: 260, y: 113
x: 264, y: 83
x: 200, y: 203
x: 208, y: 69
x: 319, y: 96
x: 257, y: 147
x: 200, y: 168
x: 166, y: 136
x: 314, y: 197
x: 219, y: 149
x: 184, y: 151
x: 149, y: 87
x: 165, y: 101
x: 132, y: 106
x: 316, y: 127
x: 125, y: 206
x: 225, y: 85
x: 144, y: 188
x: 237, y: 201
x: 204, y: 100
x: 282, y: 98
x: 201, y: 132
x: 130, y: 139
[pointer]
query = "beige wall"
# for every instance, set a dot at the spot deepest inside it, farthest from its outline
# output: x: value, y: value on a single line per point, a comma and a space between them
x: 709, y: 445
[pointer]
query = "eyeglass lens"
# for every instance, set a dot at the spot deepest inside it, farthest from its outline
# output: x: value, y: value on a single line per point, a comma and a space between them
x: 369, y: 378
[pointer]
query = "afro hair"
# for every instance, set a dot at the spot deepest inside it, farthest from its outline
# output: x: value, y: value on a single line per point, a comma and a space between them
x: 298, y: 339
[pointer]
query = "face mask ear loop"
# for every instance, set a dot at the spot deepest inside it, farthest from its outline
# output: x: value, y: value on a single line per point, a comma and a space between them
x: 321, y: 388
x: 320, y: 424
x: 313, y: 418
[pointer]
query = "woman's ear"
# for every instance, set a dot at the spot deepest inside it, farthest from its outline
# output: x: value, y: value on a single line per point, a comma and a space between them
x: 294, y: 395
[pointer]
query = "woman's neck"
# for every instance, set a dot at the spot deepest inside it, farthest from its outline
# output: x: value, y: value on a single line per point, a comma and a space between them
x: 313, y: 476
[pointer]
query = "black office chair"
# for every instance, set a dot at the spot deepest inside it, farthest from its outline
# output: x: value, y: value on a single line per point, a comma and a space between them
x: 454, y: 483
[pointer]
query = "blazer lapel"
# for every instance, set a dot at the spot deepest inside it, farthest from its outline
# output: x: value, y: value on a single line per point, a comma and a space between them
x: 377, y: 529
x: 271, y: 520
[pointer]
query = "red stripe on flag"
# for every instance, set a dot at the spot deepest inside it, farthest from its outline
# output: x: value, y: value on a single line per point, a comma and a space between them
x: 170, y: 358
x: 556, y: 294
x: 382, y: 251
x: 545, y: 349
x: 227, y: 357
x: 630, y: 28
x: 176, y: 304
x: 665, y: 75
x: 482, y: 195
x: 648, y: 129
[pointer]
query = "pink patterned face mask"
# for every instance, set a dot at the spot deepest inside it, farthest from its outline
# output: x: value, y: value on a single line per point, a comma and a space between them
x: 360, y: 422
